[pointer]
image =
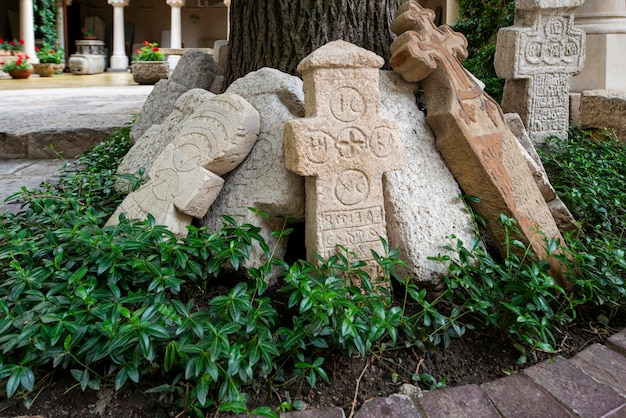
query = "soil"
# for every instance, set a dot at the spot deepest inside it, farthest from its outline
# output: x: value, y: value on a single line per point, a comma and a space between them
x: 479, y: 356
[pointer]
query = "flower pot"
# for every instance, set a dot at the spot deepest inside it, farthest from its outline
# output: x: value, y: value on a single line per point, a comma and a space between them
x: 45, y: 69
x: 149, y: 72
x: 21, y: 74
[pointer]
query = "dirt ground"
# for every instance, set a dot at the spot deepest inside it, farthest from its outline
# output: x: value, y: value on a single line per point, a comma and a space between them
x: 480, y: 356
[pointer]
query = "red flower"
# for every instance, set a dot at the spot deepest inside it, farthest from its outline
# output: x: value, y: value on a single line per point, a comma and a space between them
x: 2, y: 63
x: 145, y: 42
x: 26, y: 56
x: 1, y: 40
x: 12, y: 43
x: 36, y: 48
x: 51, y: 51
x: 21, y: 42
x: 155, y: 49
x: 138, y: 51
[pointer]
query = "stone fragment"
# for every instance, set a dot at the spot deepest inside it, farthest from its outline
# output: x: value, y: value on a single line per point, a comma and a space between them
x: 262, y: 181
x: 471, y: 132
x: 423, y: 203
x: 157, y: 107
x: 601, y: 109
x: 518, y: 396
x: 143, y: 153
x: 460, y: 402
x: 393, y: 406
x: 536, y: 56
x: 617, y: 342
x: 574, y: 389
x: 184, y: 178
x: 196, y: 69
x: 343, y: 147
x: 561, y: 214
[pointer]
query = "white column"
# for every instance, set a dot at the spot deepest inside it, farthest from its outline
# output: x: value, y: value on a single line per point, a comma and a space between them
x: 604, y: 21
x: 227, y: 4
x: 175, y: 29
x: 119, y: 60
x: 27, y: 29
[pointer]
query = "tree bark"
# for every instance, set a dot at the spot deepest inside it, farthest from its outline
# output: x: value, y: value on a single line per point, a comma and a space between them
x: 280, y: 33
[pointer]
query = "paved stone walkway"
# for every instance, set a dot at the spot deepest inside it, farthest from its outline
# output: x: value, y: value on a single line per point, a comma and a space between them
x: 591, y: 384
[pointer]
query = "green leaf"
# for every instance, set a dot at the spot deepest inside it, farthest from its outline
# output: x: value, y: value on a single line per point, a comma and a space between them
x: 202, y: 389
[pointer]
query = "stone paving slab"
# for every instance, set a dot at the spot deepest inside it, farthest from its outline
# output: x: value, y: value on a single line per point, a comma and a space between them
x: 604, y: 365
x: 467, y: 401
x: 18, y: 173
x: 393, y: 406
x: 575, y: 389
x: 617, y: 342
x: 518, y: 396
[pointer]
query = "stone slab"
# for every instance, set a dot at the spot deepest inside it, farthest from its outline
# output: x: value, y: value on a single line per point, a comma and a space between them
x: 617, y: 342
x: 422, y: 200
x: 467, y: 401
x: 604, y: 365
x: 195, y: 70
x: 262, y: 181
x: 393, y: 406
x: 602, y: 109
x: 575, y: 389
x: 518, y: 396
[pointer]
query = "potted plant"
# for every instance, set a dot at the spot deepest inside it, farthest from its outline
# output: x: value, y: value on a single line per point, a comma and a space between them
x: 149, y: 65
x: 50, y: 58
x: 88, y: 33
x: 13, y: 47
x: 19, y: 68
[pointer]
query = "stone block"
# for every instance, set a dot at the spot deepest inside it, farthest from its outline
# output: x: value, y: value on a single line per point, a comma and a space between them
x: 472, y: 135
x: 518, y: 396
x: 576, y: 390
x: 212, y: 138
x: 422, y: 200
x: 84, y: 64
x: 602, y: 109
x: 157, y: 106
x: 604, y: 365
x: 467, y: 401
x: 617, y: 342
x: 195, y: 70
x: 262, y: 181
x: 343, y: 147
x: 12, y: 146
x: 393, y: 406
x: 49, y: 143
x: 536, y: 56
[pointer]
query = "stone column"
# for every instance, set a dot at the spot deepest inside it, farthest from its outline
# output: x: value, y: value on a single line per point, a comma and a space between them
x: 27, y: 29
x: 227, y: 4
x: 176, y: 33
x: 604, y: 21
x: 119, y: 60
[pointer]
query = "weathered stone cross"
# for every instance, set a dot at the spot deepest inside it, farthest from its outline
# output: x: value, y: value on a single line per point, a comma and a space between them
x: 343, y: 147
x: 537, y: 56
x: 472, y: 135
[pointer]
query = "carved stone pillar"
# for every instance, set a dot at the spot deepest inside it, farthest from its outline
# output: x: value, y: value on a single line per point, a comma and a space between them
x: 604, y: 21
x: 27, y: 29
x: 119, y: 60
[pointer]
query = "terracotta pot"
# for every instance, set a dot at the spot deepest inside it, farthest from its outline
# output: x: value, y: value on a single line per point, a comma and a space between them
x: 89, y: 37
x: 149, y: 72
x: 21, y: 74
x: 45, y: 69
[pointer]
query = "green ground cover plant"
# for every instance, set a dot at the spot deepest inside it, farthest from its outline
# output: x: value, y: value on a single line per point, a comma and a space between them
x: 115, y: 305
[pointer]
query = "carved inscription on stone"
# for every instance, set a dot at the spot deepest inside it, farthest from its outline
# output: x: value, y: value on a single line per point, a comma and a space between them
x: 537, y: 56
x: 184, y: 178
x: 343, y: 146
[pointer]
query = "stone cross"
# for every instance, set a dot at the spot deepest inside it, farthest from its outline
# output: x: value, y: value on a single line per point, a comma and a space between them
x: 537, y: 56
x: 184, y: 179
x: 343, y: 147
x: 472, y: 135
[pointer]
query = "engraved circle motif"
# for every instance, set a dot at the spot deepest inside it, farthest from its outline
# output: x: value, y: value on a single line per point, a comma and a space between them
x: 381, y: 142
x: 347, y: 104
x: 351, y: 142
x: 259, y: 161
x: 352, y: 187
x: 319, y: 145
x: 166, y: 184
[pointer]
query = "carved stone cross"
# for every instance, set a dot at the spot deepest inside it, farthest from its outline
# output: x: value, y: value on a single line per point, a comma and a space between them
x: 471, y: 132
x: 343, y: 147
x: 537, y: 56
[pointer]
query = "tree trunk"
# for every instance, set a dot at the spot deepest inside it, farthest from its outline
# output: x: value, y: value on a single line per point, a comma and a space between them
x: 280, y: 33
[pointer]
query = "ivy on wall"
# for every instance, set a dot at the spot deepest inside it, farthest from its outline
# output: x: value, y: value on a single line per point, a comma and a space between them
x: 46, y: 20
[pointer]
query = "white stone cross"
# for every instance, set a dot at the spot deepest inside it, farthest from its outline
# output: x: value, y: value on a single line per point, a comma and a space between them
x: 343, y: 146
